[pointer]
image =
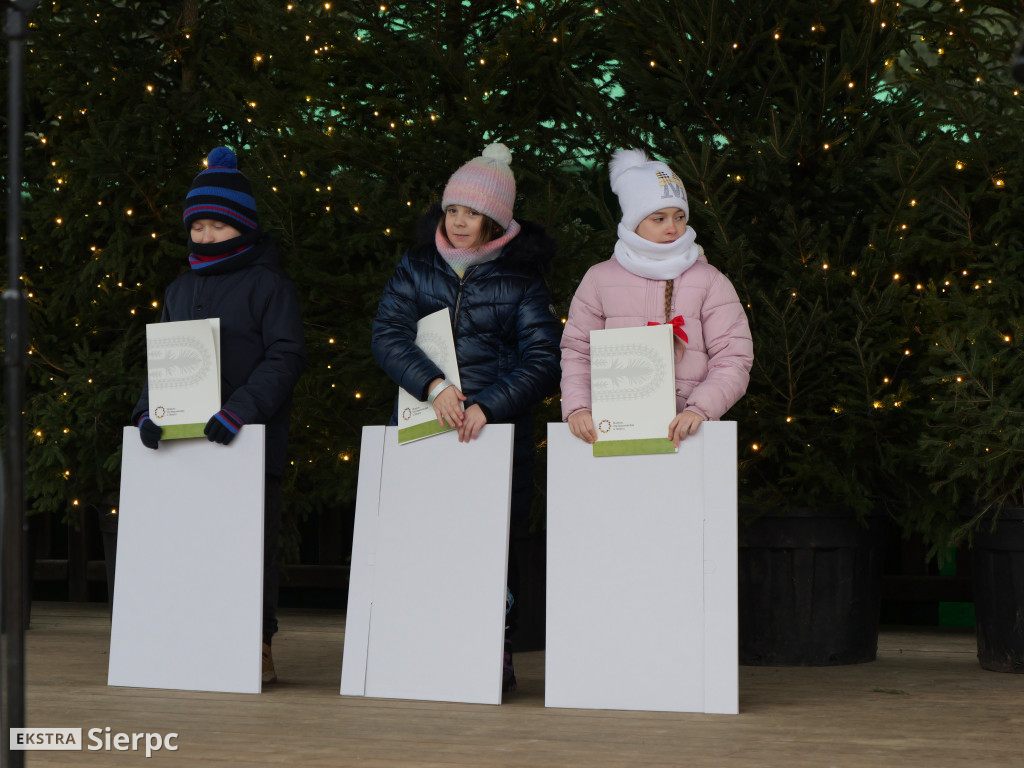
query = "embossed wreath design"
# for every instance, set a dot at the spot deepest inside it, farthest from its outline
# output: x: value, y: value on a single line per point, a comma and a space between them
x: 625, y: 372
x: 178, y: 361
x: 434, y: 347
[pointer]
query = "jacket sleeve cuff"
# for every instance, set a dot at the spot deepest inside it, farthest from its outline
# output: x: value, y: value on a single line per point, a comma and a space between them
x: 699, y: 411
x: 567, y: 414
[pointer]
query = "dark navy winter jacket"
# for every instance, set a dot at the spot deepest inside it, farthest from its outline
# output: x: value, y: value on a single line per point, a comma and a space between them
x: 262, y: 347
x: 506, y: 333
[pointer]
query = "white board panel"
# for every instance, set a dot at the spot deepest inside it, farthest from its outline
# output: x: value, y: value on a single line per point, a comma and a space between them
x: 426, y: 611
x: 364, y: 559
x: 188, y: 590
x: 721, y: 570
x: 632, y: 566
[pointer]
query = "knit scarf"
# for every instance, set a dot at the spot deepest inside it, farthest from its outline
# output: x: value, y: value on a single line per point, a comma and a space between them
x: 225, y: 256
x: 656, y: 261
x: 461, y: 259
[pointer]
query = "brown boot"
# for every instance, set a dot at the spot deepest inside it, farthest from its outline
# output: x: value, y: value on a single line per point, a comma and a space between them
x: 269, y: 675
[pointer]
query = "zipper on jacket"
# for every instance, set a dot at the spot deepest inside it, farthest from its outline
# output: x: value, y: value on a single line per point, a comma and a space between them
x: 458, y: 298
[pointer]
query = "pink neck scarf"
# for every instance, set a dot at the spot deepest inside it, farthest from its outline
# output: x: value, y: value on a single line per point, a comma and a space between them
x: 461, y: 259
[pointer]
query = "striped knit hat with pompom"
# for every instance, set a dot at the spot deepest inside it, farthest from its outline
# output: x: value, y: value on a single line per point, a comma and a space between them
x: 222, y: 193
x: 485, y: 184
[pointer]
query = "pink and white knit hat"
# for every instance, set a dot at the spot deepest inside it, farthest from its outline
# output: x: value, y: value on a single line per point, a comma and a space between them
x: 485, y: 184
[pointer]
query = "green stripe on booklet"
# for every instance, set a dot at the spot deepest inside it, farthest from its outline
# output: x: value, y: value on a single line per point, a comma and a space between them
x: 178, y: 431
x: 634, y: 447
x: 419, y: 431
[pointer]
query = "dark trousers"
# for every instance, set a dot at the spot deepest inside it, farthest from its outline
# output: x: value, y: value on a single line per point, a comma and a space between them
x: 523, y: 460
x: 272, y: 504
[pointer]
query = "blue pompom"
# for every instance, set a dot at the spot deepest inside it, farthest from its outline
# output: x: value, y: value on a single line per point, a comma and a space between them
x: 222, y: 157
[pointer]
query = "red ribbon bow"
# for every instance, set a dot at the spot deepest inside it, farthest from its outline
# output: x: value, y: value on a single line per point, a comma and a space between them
x: 677, y: 327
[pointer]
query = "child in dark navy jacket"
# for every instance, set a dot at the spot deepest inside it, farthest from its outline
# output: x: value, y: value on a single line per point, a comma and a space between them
x: 236, y: 275
x: 488, y: 270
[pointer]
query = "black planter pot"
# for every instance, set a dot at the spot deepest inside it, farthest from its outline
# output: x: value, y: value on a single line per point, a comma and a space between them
x: 809, y: 589
x: 997, y: 565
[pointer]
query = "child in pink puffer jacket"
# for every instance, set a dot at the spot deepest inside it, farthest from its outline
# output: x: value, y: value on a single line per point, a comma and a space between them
x: 658, y: 274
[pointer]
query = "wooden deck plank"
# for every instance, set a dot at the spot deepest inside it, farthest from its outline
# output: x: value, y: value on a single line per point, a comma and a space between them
x: 924, y: 702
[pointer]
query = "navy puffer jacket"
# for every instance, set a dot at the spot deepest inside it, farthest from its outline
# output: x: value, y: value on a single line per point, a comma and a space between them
x: 506, y: 332
x: 262, y: 345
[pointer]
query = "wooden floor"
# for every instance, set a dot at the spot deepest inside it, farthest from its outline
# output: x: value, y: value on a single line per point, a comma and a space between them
x: 924, y: 702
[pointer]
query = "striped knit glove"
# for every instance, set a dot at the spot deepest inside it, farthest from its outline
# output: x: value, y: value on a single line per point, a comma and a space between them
x: 149, y: 432
x: 222, y: 427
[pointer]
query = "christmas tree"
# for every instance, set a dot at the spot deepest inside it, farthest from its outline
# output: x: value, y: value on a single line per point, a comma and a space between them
x: 116, y: 130
x: 850, y: 169
x: 782, y: 119
x: 969, y: 251
x: 347, y: 118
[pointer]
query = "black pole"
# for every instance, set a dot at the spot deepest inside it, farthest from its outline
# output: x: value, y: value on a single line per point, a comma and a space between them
x: 15, y: 333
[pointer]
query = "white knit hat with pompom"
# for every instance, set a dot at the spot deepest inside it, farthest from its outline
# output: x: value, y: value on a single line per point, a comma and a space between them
x: 644, y: 186
x: 485, y: 184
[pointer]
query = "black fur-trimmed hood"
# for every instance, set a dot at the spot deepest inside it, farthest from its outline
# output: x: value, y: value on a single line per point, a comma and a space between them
x: 533, y: 246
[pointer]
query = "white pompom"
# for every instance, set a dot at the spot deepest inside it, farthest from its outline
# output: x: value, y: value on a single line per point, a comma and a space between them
x: 624, y: 159
x: 498, y: 152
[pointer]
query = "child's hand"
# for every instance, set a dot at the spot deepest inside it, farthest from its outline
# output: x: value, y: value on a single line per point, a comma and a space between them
x: 222, y: 427
x: 472, y: 423
x: 683, y: 425
x: 150, y: 433
x: 448, y: 407
x: 581, y: 424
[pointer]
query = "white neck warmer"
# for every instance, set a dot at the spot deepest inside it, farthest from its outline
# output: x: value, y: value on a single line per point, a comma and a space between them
x: 656, y: 261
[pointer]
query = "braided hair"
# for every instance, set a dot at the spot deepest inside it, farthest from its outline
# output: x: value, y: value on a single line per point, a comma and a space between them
x: 676, y: 341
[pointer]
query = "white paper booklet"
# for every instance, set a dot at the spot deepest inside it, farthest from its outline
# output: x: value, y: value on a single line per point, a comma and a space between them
x: 632, y: 389
x: 183, y: 362
x: 416, y: 418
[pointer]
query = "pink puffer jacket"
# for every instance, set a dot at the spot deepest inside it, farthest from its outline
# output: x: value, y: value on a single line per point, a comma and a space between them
x: 713, y: 372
